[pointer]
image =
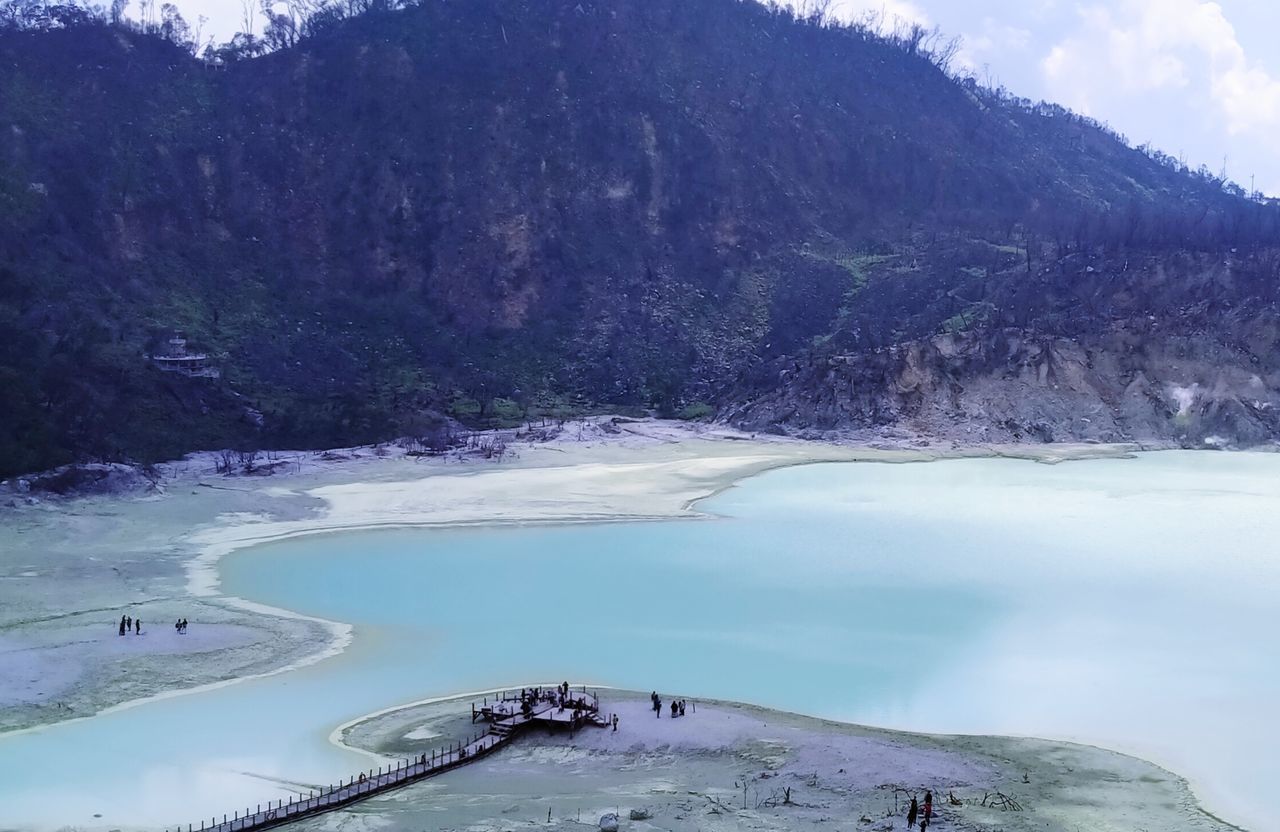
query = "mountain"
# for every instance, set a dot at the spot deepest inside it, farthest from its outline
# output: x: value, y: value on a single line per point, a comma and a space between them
x: 499, y: 209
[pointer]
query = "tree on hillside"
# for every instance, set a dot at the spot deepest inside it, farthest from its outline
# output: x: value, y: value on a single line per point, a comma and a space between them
x: 174, y: 27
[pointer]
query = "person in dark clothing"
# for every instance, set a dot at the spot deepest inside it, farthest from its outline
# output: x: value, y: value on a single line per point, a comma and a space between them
x: 137, y: 626
x: 911, y: 814
x: 928, y: 806
x: 675, y: 709
x: 657, y: 707
x: 128, y: 623
x: 122, y: 625
x: 615, y: 723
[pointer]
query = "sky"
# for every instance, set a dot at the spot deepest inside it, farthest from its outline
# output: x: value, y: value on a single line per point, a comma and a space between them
x: 1197, y: 79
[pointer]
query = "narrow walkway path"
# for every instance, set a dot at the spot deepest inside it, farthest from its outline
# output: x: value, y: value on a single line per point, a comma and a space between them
x: 507, y: 720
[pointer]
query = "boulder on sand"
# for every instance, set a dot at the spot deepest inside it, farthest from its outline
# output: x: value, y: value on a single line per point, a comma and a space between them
x: 609, y: 823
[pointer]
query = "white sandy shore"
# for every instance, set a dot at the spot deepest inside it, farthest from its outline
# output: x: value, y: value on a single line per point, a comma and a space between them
x: 648, y: 470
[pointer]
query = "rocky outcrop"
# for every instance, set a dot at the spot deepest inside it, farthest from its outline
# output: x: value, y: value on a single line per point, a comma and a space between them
x: 1013, y: 386
x: 81, y: 481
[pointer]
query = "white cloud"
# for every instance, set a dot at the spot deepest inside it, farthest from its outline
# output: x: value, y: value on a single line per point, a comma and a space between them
x: 1140, y: 46
x: 995, y: 40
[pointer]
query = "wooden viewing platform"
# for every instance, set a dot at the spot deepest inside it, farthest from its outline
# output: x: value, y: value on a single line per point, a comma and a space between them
x: 507, y: 717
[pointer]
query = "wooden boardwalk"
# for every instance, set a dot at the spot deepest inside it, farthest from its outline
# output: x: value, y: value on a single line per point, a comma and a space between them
x: 506, y: 717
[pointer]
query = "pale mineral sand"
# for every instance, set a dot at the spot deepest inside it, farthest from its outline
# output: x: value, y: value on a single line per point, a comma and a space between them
x: 725, y: 766
x: 654, y: 470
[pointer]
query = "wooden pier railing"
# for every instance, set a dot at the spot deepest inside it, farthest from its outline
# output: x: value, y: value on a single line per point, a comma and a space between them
x: 503, y: 728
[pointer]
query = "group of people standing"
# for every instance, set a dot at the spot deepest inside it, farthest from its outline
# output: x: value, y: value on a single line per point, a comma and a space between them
x: 677, y: 706
x: 128, y: 624
x: 914, y: 812
x: 559, y: 696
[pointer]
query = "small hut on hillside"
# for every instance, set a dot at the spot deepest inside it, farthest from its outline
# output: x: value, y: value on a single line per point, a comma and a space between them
x: 177, y: 359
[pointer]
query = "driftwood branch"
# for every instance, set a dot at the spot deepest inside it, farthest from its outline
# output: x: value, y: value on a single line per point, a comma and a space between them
x: 1001, y: 801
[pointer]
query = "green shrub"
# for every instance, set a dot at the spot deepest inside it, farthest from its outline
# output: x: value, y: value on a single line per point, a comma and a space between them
x: 696, y: 411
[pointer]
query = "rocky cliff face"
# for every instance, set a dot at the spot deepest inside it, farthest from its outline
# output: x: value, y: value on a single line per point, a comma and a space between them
x: 1012, y: 386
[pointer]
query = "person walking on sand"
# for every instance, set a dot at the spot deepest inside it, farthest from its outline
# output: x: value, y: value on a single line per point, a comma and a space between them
x: 122, y: 625
x: 137, y: 626
x: 615, y: 723
x: 128, y: 623
x: 675, y: 709
x: 928, y: 807
x: 911, y: 813
x: 657, y: 707
x: 681, y: 707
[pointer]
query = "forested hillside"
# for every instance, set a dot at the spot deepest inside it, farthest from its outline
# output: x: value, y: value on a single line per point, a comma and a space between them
x: 497, y: 208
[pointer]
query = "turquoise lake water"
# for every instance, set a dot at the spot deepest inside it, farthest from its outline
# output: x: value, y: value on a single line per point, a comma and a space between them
x: 1128, y: 603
